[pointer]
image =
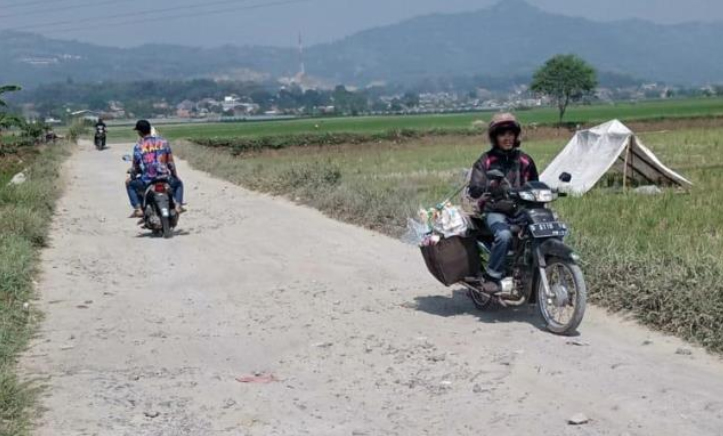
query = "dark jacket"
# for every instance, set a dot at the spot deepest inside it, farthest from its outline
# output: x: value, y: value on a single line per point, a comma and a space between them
x: 518, y: 168
x: 100, y: 124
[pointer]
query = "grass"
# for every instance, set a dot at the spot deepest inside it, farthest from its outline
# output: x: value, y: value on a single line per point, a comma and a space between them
x: 653, y: 110
x: 658, y: 257
x: 25, y: 213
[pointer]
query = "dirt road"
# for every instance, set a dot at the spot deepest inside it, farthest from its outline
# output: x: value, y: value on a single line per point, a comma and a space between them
x: 146, y: 336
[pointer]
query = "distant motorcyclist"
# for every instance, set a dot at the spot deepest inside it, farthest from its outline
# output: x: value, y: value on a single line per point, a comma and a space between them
x: 100, y: 132
x: 518, y: 168
x: 152, y: 159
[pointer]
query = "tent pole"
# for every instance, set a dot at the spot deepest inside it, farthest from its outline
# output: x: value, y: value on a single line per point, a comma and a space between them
x: 627, y: 163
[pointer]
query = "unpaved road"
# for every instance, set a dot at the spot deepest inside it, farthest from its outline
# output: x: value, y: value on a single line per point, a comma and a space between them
x: 147, y: 336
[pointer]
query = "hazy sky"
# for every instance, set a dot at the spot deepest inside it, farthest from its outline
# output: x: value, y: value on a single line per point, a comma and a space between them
x: 277, y: 22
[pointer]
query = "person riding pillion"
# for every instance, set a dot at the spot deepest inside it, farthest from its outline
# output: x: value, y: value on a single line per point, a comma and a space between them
x: 491, y: 191
x: 152, y: 159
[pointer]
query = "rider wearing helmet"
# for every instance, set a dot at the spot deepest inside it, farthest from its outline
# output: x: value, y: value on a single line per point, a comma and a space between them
x: 490, y: 191
x: 100, y: 123
x: 100, y: 131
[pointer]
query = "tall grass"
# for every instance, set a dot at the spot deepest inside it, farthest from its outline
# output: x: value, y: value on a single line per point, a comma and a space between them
x: 25, y: 213
x: 658, y: 257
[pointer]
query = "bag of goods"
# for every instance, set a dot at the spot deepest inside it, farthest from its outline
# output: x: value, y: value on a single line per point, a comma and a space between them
x: 451, y: 260
x: 441, y: 233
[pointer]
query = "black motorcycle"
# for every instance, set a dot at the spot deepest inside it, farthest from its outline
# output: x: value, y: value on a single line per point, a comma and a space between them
x: 100, y: 137
x: 541, y: 268
x: 158, y: 205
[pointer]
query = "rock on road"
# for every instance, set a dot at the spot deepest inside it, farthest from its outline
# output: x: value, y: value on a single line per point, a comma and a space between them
x: 345, y: 329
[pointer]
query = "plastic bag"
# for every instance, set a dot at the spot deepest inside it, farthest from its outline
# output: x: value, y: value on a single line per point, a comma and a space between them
x: 451, y: 222
x: 437, y: 223
x: 417, y: 232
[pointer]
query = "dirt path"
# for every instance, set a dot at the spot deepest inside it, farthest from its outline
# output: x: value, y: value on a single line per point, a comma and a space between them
x: 146, y: 336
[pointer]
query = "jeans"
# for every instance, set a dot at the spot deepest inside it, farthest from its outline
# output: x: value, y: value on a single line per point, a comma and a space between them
x: 177, y: 188
x: 136, y: 187
x: 500, y: 227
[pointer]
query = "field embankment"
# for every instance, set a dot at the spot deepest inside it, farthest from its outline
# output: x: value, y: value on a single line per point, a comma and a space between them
x: 655, y: 256
x: 25, y: 213
x: 703, y: 110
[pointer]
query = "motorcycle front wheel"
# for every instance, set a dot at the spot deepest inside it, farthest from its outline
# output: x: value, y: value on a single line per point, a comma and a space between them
x: 563, y: 306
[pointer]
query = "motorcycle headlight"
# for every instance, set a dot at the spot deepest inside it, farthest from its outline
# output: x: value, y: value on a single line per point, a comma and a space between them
x: 542, y: 195
x: 527, y: 196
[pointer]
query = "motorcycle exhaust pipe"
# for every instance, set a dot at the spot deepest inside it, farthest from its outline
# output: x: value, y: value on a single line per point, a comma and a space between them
x: 506, y: 298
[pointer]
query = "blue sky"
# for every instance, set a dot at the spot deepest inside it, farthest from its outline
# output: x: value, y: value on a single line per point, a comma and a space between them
x: 277, y: 22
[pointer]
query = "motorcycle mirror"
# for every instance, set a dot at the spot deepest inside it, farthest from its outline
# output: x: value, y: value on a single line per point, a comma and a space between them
x: 565, y: 177
x: 127, y: 158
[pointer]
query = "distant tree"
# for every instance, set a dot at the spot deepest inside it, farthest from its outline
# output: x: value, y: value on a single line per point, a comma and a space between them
x: 395, y: 105
x: 564, y: 78
x: 410, y: 99
x: 379, y: 106
x: 262, y: 98
x: 349, y: 103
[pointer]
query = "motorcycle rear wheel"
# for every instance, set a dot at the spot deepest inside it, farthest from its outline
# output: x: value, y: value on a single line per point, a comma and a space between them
x: 167, y: 231
x: 564, y: 308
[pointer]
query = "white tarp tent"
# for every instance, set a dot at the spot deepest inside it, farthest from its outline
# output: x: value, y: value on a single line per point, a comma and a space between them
x: 592, y: 153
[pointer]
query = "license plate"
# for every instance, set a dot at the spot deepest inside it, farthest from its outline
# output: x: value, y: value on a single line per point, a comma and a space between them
x: 548, y: 230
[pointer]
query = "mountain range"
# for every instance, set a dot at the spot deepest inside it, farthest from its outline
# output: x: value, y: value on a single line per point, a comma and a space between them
x: 509, y: 39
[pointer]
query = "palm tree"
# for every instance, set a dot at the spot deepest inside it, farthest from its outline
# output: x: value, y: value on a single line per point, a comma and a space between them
x: 7, y: 88
x: 7, y: 121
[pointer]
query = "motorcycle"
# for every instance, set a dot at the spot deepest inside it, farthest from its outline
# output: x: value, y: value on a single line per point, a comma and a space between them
x: 540, y: 267
x: 158, y: 205
x: 100, y: 137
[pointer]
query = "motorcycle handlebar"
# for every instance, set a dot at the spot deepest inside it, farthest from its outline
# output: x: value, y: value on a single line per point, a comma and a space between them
x: 514, y: 193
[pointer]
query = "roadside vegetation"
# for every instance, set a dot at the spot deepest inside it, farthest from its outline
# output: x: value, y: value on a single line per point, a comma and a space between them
x: 656, y: 257
x: 25, y: 213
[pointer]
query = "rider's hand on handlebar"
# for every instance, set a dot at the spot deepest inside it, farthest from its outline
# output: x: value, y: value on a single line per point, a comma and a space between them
x: 498, y: 189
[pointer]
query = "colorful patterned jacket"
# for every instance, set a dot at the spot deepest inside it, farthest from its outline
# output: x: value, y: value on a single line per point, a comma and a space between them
x: 152, y: 158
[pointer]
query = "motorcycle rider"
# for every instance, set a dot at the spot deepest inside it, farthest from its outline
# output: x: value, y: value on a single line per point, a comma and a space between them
x: 518, y: 168
x: 100, y: 124
x: 152, y: 158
